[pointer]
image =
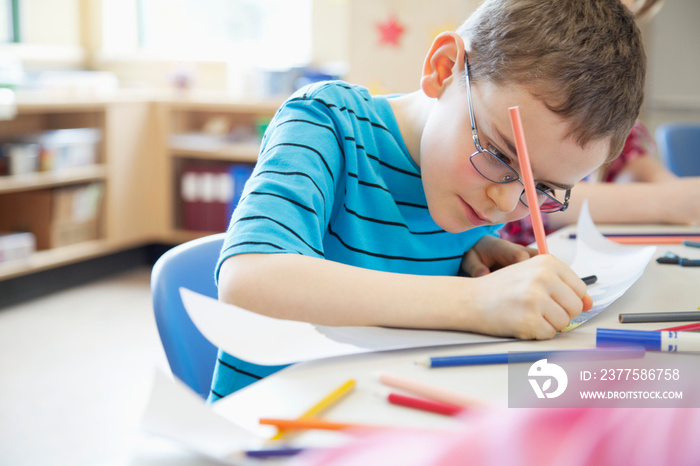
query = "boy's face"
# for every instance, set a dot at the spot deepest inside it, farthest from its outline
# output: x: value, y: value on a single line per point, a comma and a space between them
x: 459, y: 197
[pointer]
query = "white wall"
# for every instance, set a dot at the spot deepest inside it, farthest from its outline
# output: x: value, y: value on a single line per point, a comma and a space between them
x: 673, y: 52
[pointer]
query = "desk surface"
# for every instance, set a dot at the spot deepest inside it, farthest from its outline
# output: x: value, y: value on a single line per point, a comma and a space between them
x: 291, y: 391
x: 288, y: 393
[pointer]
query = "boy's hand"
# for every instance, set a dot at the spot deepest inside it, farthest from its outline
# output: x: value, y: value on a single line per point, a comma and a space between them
x: 533, y: 299
x: 491, y: 253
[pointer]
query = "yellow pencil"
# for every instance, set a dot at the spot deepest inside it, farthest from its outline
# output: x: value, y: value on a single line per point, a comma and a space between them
x: 324, y: 404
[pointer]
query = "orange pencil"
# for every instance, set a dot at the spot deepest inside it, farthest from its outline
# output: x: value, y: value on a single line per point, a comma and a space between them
x: 313, y: 424
x: 528, y: 180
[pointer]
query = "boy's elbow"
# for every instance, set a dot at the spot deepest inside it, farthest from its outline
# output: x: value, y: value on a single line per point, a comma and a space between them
x: 234, y: 282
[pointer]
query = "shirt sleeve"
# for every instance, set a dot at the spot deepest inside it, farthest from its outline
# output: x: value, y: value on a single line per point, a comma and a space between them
x: 286, y: 204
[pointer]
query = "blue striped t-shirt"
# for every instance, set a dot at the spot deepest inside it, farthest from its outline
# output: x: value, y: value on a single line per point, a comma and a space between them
x: 334, y: 180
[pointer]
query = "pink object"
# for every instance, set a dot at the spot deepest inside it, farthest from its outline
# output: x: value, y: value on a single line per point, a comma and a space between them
x: 542, y: 437
x: 528, y: 179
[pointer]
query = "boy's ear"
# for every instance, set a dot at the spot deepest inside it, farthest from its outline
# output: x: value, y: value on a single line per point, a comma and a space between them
x: 444, y: 59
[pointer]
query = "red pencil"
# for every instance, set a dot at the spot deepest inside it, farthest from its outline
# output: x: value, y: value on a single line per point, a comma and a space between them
x: 680, y: 328
x: 432, y: 406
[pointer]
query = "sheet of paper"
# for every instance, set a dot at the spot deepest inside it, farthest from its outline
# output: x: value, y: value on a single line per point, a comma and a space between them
x: 267, y: 341
x: 617, y: 266
x: 177, y: 413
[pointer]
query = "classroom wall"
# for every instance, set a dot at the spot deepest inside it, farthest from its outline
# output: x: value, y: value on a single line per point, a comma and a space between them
x: 673, y: 52
x: 65, y: 33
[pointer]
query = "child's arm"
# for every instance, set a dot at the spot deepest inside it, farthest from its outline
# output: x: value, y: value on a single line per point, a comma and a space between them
x: 530, y: 299
x: 656, y: 202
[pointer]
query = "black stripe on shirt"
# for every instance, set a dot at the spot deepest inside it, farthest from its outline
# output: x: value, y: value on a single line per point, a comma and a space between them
x: 341, y: 109
x: 367, y: 183
x: 320, y: 125
x: 302, y: 146
x: 275, y: 172
x: 381, y: 162
x: 387, y: 222
x: 411, y: 204
x: 240, y: 371
x: 299, y: 204
x: 262, y: 217
x: 386, y: 256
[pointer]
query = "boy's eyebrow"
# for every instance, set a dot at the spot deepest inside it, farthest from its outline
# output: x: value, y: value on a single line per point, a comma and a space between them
x: 514, y: 153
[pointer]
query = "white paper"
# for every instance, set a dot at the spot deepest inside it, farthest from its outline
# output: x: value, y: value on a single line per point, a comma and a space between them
x: 617, y: 266
x: 268, y: 341
x: 177, y: 413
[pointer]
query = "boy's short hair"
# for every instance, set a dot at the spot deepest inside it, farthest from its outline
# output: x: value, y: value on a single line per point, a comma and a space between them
x: 583, y: 58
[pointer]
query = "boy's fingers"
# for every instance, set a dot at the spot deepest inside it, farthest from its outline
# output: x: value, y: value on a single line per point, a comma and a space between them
x: 587, y: 302
x: 473, y: 265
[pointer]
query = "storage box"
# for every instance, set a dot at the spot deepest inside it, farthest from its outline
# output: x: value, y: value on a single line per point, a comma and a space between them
x: 16, y: 246
x: 65, y: 148
x: 56, y: 217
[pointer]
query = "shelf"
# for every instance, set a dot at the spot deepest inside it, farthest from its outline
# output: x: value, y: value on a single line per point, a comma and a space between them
x: 56, y: 257
x: 39, y: 180
x: 213, y: 148
x: 229, y: 152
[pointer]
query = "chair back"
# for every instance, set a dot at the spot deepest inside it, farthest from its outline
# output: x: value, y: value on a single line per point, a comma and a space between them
x: 679, y: 147
x: 191, y: 265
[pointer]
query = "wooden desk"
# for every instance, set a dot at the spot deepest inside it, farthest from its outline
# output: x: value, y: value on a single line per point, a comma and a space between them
x: 289, y: 392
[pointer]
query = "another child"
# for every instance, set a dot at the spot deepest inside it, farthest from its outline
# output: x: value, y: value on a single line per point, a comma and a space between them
x: 365, y: 210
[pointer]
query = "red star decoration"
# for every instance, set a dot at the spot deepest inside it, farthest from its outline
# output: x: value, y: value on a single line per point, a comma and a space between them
x: 390, y: 31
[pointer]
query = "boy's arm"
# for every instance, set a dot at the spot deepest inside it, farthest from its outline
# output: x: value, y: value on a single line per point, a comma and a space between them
x: 530, y: 299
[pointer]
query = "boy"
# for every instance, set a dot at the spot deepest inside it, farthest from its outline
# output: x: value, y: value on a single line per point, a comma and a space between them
x: 364, y: 210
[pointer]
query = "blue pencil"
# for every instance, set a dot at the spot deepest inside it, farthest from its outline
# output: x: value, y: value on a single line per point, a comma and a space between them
x: 531, y: 356
x: 652, y: 340
x: 273, y: 452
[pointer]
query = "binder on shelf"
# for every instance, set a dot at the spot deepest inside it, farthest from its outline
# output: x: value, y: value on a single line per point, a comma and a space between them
x: 239, y: 172
x: 209, y: 192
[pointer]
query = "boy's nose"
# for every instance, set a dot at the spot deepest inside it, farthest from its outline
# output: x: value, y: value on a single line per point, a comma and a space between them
x: 506, y: 196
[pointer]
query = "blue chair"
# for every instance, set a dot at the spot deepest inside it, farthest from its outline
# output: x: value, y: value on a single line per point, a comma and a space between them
x: 679, y: 147
x: 191, y: 265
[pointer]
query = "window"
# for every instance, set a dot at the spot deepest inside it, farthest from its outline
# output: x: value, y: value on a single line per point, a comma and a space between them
x: 9, y: 21
x: 266, y: 33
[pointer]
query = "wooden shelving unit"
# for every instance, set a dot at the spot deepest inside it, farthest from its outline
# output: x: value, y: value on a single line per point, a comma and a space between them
x: 200, y: 131
x: 144, y: 144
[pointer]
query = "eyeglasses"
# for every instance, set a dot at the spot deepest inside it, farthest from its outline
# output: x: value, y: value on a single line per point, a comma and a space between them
x: 492, y: 166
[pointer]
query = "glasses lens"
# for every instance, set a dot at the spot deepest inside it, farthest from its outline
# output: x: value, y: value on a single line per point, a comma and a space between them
x: 549, y: 202
x: 493, y: 168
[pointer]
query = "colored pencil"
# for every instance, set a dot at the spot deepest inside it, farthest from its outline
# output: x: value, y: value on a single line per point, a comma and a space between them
x: 651, y: 340
x: 273, y: 452
x: 645, y: 317
x: 429, y: 391
x: 318, y: 424
x: 692, y: 244
x: 422, y: 404
x: 642, y: 238
x: 324, y: 404
x: 682, y: 328
x: 528, y: 180
x: 593, y: 354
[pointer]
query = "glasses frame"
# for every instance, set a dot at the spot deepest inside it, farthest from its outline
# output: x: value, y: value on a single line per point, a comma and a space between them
x: 481, y: 150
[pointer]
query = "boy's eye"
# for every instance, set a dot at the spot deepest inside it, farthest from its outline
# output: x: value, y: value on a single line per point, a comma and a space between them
x: 497, y: 153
